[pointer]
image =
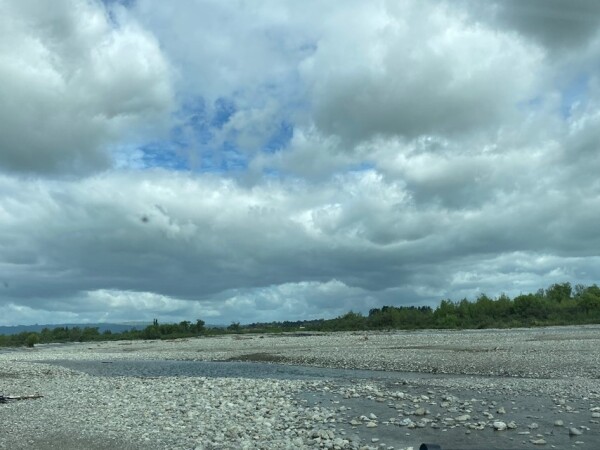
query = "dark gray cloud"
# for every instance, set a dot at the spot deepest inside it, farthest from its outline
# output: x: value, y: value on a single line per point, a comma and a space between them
x: 202, y: 239
x: 556, y: 24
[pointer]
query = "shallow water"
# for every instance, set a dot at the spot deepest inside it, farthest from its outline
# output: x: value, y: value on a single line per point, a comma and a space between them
x: 221, y: 369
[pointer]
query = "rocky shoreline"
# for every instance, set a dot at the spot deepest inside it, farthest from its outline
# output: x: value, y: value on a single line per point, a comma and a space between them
x: 509, y: 389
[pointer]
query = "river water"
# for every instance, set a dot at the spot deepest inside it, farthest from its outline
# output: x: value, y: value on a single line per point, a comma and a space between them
x: 219, y: 369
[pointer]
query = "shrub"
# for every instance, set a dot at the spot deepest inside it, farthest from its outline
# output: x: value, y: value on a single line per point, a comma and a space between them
x: 32, y: 339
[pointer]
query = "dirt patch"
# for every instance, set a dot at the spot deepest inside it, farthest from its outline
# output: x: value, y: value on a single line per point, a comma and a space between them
x: 6, y: 375
x: 258, y: 357
x: 445, y: 348
x: 564, y: 338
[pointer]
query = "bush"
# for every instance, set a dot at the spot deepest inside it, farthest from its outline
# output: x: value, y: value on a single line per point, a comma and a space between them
x: 32, y: 339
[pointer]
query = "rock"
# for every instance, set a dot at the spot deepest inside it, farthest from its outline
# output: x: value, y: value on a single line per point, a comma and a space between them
x: 511, y: 425
x: 574, y: 431
x: 558, y: 423
x: 371, y: 425
x: 420, y: 412
x: 463, y: 418
x: 501, y: 410
x: 533, y: 426
x: 499, y: 425
x: 596, y: 415
x: 339, y: 442
x: 538, y: 441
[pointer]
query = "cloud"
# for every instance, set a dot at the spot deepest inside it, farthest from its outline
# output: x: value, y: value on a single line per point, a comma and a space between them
x: 339, y: 158
x: 556, y: 24
x: 416, y: 68
x: 161, y: 242
x: 75, y: 80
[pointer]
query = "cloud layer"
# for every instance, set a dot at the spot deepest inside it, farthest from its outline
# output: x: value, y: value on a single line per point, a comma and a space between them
x: 228, y: 161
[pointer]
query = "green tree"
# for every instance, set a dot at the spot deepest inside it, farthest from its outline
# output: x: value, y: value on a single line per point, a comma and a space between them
x: 199, y: 327
x: 235, y: 327
x: 32, y: 339
x: 557, y: 293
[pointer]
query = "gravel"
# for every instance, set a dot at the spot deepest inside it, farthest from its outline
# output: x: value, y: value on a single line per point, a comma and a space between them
x: 507, y: 389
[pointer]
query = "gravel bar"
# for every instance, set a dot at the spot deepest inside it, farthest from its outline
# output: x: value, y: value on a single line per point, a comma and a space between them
x: 493, y: 389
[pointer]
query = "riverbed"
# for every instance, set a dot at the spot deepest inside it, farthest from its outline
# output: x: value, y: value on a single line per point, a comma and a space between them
x: 496, y: 389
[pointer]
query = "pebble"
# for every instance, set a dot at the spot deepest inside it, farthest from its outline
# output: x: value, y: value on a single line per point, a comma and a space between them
x: 420, y: 412
x: 499, y: 426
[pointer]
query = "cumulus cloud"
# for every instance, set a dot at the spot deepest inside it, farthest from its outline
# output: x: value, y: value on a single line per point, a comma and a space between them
x: 416, y: 68
x: 75, y: 79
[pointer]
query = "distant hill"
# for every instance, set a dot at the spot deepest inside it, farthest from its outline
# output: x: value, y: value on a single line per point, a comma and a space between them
x: 102, y: 327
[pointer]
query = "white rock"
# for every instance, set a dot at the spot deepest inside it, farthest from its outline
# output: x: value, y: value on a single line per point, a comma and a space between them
x: 499, y: 425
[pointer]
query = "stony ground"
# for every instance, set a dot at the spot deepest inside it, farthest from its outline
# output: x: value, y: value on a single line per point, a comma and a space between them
x: 508, y: 389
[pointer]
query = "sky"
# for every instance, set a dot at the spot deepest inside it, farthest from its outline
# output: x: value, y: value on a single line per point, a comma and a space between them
x: 282, y: 160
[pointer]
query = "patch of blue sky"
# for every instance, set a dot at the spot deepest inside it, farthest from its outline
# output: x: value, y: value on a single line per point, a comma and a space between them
x: 196, y: 143
x: 280, y: 138
x: 573, y: 94
x: 165, y: 155
x: 270, y: 172
x: 194, y: 122
x: 109, y: 8
x: 363, y: 166
x: 125, y: 3
x: 227, y: 159
x: 224, y: 108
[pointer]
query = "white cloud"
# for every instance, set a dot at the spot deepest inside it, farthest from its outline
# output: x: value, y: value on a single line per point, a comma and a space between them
x: 73, y: 82
x: 412, y: 68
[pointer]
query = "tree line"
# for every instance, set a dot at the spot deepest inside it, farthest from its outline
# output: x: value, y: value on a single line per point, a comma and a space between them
x: 560, y: 304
